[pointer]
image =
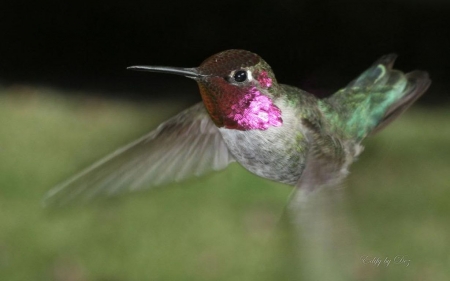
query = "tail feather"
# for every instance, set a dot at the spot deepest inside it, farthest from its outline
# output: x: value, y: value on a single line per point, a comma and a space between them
x: 378, y: 96
x: 418, y: 83
x: 376, y: 74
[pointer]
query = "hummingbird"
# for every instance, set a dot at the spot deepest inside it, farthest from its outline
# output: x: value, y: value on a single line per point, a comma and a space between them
x: 275, y: 131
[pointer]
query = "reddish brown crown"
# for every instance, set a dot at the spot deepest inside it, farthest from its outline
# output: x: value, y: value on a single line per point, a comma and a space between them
x: 223, y: 63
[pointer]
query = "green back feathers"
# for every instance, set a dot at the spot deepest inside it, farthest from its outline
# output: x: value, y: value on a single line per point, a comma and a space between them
x: 374, y: 99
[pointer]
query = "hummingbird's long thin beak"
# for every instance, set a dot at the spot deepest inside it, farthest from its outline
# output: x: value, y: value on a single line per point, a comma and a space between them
x: 187, y: 72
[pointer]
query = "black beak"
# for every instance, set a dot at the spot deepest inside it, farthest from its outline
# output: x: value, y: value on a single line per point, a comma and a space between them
x: 187, y: 72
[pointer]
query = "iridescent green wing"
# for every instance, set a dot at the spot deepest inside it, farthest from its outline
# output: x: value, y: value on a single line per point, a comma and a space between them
x: 185, y: 145
x: 375, y: 98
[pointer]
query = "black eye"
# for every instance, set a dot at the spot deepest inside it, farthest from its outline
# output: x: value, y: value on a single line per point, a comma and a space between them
x: 240, y: 76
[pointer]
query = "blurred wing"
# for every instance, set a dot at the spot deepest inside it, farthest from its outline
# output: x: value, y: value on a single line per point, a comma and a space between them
x: 319, y: 172
x: 318, y: 211
x: 185, y: 145
x: 325, y: 237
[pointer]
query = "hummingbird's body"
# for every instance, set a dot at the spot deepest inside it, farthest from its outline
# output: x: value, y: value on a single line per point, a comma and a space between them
x: 276, y: 131
x: 280, y: 153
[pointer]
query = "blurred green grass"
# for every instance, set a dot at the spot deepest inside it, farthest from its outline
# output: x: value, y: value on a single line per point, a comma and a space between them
x: 220, y: 227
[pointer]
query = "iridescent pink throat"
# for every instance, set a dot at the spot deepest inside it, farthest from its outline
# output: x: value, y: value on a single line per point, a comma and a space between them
x: 253, y: 111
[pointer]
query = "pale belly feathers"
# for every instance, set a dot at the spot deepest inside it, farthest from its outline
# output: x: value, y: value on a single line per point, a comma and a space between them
x: 277, y: 153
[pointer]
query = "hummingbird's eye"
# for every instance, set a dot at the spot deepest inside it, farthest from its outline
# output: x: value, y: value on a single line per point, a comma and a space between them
x: 240, y: 76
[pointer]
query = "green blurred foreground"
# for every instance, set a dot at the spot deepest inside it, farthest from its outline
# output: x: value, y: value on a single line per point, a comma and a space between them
x: 224, y: 226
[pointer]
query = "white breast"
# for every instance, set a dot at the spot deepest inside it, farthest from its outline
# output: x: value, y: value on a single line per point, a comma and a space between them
x: 273, y: 153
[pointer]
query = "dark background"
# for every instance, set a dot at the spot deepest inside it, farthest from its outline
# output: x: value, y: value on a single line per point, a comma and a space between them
x: 317, y: 45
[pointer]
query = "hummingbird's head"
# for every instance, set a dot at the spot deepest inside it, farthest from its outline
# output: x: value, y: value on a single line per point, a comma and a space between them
x: 238, y: 89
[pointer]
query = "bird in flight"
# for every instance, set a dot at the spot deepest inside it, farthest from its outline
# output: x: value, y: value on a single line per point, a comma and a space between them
x: 275, y: 131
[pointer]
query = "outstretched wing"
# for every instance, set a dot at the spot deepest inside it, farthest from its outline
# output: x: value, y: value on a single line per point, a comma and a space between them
x: 185, y: 145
